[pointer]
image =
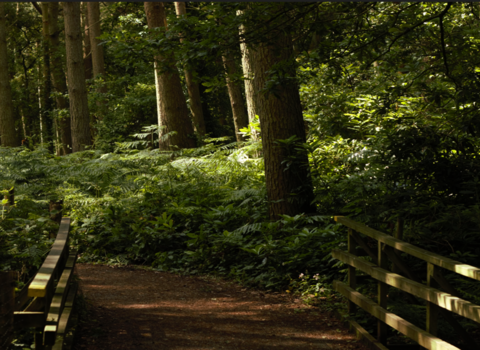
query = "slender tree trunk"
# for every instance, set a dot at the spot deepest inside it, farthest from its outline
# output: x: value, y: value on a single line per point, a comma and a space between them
x: 240, y: 116
x: 58, y: 80
x: 97, y: 55
x: 171, y: 105
x: 287, y: 173
x: 7, y: 120
x: 94, y: 33
x: 47, y: 82
x: 87, y: 50
x: 97, y: 49
x: 192, y: 86
x: 77, y: 90
x: 248, y: 75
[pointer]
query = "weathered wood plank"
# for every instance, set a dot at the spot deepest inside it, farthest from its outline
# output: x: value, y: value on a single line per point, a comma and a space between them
x: 433, y: 258
x: 57, y: 304
x: 442, y: 299
x: 44, y: 277
x: 398, y: 235
x: 65, y: 318
x: 413, y: 332
x: 352, y: 276
x: 432, y: 308
x: 382, y: 291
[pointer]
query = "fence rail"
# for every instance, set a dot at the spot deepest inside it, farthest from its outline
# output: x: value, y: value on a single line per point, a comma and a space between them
x: 438, y: 302
x: 46, y: 301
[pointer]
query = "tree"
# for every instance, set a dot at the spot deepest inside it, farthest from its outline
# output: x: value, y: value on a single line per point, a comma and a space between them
x: 192, y: 85
x: 171, y: 105
x: 87, y: 50
x: 94, y: 33
x: 287, y: 173
x: 240, y: 116
x: 58, y: 80
x: 96, y: 47
x: 247, y: 74
x: 7, y: 120
x: 46, y: 118
x: 77, y: 91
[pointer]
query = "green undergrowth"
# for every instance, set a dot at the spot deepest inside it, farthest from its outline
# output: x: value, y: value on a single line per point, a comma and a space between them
x: 191, y: 211
x: 204, y: 211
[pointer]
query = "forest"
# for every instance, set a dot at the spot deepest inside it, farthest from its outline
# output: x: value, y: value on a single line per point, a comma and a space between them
x: 221, y: 138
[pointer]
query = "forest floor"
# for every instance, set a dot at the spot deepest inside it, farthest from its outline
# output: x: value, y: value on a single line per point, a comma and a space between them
x: 132, y: 308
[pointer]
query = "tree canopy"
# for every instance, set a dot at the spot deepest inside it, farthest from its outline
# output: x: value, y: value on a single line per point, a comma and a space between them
x: 363, y: 109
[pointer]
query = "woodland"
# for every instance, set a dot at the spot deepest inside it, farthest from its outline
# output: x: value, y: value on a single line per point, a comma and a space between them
x: 221, y: 138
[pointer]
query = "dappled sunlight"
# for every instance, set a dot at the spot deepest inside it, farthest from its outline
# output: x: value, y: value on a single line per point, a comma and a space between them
x: 163, y: 309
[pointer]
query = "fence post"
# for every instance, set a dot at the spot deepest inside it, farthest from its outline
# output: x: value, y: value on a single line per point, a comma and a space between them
x: 432, y: 309
x: 7, y: 304
x: 382, y: 289
x: 352, y: 279
x: 398, y: 235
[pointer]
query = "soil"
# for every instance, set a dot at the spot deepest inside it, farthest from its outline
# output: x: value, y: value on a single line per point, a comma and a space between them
x: 132, y: 308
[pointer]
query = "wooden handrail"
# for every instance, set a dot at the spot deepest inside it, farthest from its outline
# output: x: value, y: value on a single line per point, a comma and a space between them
x: 413, y: 332
x: 445, y: 300
x: 52, y: 305
x: 50, y: 267
x: 436, y: 259
x: 437, y: 300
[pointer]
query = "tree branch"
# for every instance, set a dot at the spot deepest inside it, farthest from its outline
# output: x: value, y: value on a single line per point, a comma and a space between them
x: 441, y: 14
x: 34, y: 3
x: 442, y: 38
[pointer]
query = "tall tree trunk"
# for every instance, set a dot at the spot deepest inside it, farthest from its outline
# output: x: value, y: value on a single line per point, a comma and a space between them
x: 240, y: 116
x: 87, y: 50
x: 171, y: 105
x: 287, y: 172
x: 7, y: 120
x: 77, y: 90
x: 58, y: 79
x: 47, y: 82
x: 97, y: 49
x: 248, y: 75
x: 94, y: 33
x: 192, y: 86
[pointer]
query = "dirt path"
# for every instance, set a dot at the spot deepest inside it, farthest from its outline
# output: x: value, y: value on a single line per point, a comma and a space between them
x: 137, y: 309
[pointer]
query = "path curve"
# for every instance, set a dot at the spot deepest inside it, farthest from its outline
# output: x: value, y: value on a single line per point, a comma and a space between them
x: 131, y: 308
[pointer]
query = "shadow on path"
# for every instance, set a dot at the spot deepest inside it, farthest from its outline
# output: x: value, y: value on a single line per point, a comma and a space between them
x: 138, y: 309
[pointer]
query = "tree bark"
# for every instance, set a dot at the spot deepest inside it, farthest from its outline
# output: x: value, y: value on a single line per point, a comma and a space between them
x: 94, y: 33
x: 97, y: 54
x: 77, y: 91
x: 97, y: 49
x: 248, y: 75
x: 171, y: 105
x: 192, y: 86
x: 287, y: 173
x: 58, y: 80
x: 7, y: 119
x: 47, y: 82
x: 87, y: 50
x: 240, y: 116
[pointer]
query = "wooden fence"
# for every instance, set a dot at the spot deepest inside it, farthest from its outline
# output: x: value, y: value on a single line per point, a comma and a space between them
x: 46, y: 302
x: 438, y: 303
